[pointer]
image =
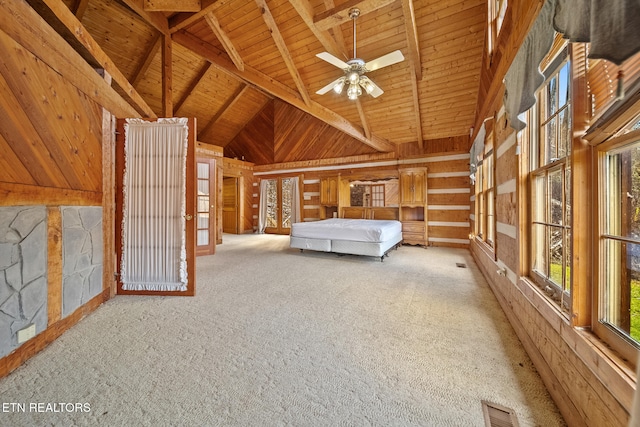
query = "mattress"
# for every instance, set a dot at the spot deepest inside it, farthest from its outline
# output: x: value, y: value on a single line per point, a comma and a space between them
x: 358, y: 230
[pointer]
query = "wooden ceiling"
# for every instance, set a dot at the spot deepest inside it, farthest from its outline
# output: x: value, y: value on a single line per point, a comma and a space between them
x: 231, y: 58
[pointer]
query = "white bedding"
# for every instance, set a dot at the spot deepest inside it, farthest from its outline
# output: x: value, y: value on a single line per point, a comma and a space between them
x: 359, y: 230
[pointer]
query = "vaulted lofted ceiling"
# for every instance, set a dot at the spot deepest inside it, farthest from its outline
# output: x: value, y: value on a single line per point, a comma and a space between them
x: 232, y: 59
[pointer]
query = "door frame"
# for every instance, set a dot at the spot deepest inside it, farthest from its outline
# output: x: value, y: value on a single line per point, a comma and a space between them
x: 210, y: 248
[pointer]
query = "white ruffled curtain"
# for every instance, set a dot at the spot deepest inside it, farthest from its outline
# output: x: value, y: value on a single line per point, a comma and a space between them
x: 262, y: 209
x: 611, y: 26
x: 153, y: 225
x: 296, y: 214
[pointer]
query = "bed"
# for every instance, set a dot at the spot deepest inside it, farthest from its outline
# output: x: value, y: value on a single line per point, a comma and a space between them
x: 369, y: 237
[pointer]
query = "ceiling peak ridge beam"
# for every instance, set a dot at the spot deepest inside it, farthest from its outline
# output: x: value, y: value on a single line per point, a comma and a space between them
x: 231, y: 50
x: 278, y: 90
x: 172, y: 5
x: 339, y: 15
x: 156, y: 19
x: 332, y: 43
x: 75, y: 28
x: 181, y: 20
x: 283, y: 49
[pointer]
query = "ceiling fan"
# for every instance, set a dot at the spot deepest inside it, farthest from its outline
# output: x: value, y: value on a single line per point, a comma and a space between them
x: 355, y: 69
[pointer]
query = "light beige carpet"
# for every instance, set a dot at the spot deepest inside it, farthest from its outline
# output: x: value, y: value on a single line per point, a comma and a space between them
x: 279, y: 337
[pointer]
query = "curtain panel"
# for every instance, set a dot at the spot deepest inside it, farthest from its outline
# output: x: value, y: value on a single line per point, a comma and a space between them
x: 153, y: 224
x: 611, y: 26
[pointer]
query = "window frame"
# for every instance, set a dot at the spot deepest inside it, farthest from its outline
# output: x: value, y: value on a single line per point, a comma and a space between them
x: 539, y: 163
x: 485, y: 198
x: 610, y: 334
x: 280, y: 227
x: 496, y: 13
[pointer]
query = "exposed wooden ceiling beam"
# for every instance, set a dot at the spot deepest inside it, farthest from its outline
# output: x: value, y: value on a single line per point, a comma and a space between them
x: 230, y: 102
x: 233, y: 53
x: 167, y: 76
x: 276, y: 89
x: 82, y: 37
x: 416, y: 108
x: 339, y: 15
x: 155, y: 19
x: 363, y: 119
x: 192, y: 86
x: 334, y: 44
x: 182, y: 20
x: 172, y: 5
x: 284, y: 50
x: 147, y: 60
x: 412, y: 37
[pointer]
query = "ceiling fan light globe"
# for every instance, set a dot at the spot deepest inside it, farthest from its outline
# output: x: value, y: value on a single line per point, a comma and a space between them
x: 367, y: 84
x: 353, y: 77
x: 354, y: 92
x: 338, y: 87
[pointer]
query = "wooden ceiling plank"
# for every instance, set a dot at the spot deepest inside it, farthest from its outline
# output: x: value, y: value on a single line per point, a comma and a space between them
x: 75, y: 27
x: 156, y: 19
x: 332, y: 43
x: 225, y: 40
x: 233, y: 99
x: 192, y: 86
x: 147, y: 60
x: 276, y: 89
x: 339, y: 15
x: 412, y: 37
x: 284, y: 50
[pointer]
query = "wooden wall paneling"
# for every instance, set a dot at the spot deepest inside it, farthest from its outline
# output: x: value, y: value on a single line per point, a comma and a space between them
x: 71, y: 141
x: 17, y: 128
x: 255, y: 140
x: 110, y: 261
x: 54, y: 264
x: 11, y: 168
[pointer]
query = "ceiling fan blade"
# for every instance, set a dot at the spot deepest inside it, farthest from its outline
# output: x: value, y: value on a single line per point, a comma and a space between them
x: 326, y: 56
x: 330, y: 86
x: 385, y: 60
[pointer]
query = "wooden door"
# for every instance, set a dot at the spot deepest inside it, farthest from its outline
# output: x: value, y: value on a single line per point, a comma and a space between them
x: 154, y: 167
x: 406, y: 188
x: 206, y: 212
x: 420, y: 187
x: 230, y: 205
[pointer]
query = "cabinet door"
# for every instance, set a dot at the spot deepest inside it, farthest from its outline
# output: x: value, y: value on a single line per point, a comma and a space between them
x: 419, y: 187
x: 406, y: 188
x: 329, y: 191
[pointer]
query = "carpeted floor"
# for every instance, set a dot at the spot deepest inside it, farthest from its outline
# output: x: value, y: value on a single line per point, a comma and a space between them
x: 279, y: 337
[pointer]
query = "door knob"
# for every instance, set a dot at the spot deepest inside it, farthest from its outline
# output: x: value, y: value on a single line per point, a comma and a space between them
x: 188, y: 217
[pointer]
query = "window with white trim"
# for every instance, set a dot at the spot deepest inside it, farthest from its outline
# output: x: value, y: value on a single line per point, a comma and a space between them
x: 550, y: 183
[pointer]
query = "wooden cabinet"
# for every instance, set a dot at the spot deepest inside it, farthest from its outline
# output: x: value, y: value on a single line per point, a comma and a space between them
x: 329, y: 190
x: 413, y: 187
x: 413, y: 205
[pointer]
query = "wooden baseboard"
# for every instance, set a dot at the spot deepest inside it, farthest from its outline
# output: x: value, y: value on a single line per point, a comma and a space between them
x: 29, y: 349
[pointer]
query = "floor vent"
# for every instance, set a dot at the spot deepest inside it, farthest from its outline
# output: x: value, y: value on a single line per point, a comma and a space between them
x: 461, y: 265
x: 498, y: 416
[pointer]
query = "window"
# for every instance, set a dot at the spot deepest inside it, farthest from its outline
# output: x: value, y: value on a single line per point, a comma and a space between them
x: 550, y: 183
x: 485, y: 197
x: 619, y: 237
x: 496, y: 13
